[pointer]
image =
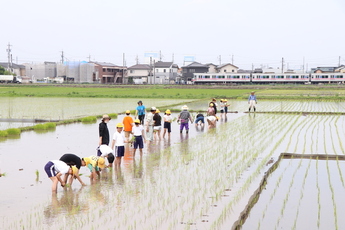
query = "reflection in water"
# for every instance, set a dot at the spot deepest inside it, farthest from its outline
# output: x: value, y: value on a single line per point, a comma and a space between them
x: 138, y: 168
x: 68, y: 204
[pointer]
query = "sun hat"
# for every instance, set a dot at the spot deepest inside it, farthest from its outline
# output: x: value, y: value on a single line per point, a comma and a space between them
x: 106, y: 116
x: 74, y: 171
x: 105, y: 150
x: 128, y: 111
x: 168, y: 111
x: 153, y: 108
x: 119, y: 125
x: 185, y: 107
x: 101, y: 163
x: 225, y: 100
x: 158, y: 111
x: 221, y: 100
x: 252, y: 92
x: 211, y: 104
x: 137, y: 121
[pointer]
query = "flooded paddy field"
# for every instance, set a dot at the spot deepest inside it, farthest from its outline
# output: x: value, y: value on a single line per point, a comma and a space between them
x: 202, y: 180
x: 67, y: 108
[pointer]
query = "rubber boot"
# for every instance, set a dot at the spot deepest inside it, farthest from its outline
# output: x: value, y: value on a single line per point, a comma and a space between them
x: 249, y: 109
x: 254, y: 109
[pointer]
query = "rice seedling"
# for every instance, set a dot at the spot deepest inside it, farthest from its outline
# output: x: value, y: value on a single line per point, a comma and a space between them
x: 3, y: 133
x: 89, y: 119
x: 37, y: 175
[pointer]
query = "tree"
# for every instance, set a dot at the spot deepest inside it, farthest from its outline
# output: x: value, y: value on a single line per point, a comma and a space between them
x: 3, y: 71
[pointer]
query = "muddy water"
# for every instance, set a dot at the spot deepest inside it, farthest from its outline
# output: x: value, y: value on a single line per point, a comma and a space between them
x: 22, y: 192
x: 202, y: 181
x: 301, y: 194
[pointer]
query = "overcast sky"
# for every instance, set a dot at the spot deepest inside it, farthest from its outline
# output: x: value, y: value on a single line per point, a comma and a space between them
x: 258, y: 32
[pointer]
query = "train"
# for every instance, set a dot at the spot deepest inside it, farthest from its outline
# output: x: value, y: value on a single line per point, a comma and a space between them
x: 268, y: 78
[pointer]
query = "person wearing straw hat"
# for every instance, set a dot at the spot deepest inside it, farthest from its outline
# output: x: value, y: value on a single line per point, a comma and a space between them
x: 118, y: 144
x: 184, y: 117
x: 75, y: 175
x: 138, y: 133
x: 103, y: 132
x: 150, y: 123
x: 140, y: 112
x: 226, y: 105
x: 167, y: 122
x: 252, y: 101
x: 128, y: 124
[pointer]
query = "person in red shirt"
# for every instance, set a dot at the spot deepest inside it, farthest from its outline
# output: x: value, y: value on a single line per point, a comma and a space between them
x: 128, y: 124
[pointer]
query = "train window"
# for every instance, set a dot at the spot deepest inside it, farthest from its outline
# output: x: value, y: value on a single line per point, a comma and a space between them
x: 221, y: 76
x: 207, y: 76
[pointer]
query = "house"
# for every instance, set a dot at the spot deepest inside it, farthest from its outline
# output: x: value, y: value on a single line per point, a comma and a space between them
x: 226, y: 68
x: 194, y: 67
x: 164, y: 73
x: 108, y: 73
x: 211, y: 68
x: 340, y: 69
x: 18, y: 70
x: 323, y: 69
x: 138, y: 74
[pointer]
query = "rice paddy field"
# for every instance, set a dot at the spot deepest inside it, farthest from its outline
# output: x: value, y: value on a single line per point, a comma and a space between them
x: 207, y: 179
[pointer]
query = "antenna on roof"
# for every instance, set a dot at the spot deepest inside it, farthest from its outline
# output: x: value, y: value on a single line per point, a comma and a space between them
x: 137, y: 60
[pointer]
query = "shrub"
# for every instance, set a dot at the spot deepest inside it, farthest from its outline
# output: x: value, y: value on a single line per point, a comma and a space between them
x: 3, y: 133
x: 13, y: 131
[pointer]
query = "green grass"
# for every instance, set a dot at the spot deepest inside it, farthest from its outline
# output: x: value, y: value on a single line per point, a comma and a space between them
x: 3, y: 133
x: 13, y: 131
x: 90, y: 119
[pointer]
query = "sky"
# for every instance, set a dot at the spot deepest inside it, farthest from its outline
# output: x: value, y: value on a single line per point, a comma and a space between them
x: 248, y: 33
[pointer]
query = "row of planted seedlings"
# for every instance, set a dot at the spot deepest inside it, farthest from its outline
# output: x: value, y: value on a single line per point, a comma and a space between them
x: 293, y: 145
x: 180, y: 185
x: 179, y: 190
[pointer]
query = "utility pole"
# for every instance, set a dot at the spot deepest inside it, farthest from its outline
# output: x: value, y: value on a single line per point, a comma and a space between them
x: 282, y: 65
x: 62, y: 57
x: 220, y: 59
x: 160, y: 55
x: 154, y: 72
x: 232, y: 59
x: 9, y: 66
x: 339, y: 61
x: 252, y: 67
x: 151, y: 73
x: 137, y: 59
x: 89, y: 57
x: 303, y: 65
x: 173, y: 58
x: 123, y: 67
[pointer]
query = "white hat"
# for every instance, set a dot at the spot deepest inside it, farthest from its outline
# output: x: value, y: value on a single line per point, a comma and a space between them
x: 105, y: 150
x: 153, y: 108
x: 185, y: 107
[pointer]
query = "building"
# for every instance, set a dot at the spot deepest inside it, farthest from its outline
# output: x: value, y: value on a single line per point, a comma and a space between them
x: 323, y: 69
x: 226, y: 68
x: 108, y: 73
x: 164, y: 73
x: 211, y: 68
x: 18, y: 70
x: 138, y: 74
x: 194, y: 67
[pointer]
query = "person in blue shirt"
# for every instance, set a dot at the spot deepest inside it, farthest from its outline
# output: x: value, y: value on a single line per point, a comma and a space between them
x: 140, y: 112
x: 252, y: 101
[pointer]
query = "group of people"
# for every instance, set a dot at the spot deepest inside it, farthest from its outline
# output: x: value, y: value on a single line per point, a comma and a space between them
x: 135, y: 131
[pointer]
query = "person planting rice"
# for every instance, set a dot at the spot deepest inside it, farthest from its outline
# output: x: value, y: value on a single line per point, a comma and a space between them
x: 199, y: 119
x: 94, y: 164
x: 184, y: 117
x: 72, y: 160
x: 118, y: 144
x: 226, y: 105
x: 252, y: 101
x: 222, y: 108
x: 140, y: 111
x: 138, y: 132
x: 157, y: 125
x: 167, y: 122
x: 75, y: 175
x: 54, y: 170
x: 128, y: 124
x: 211, y: 117
x: 107, y: 152
x: 214, y: 104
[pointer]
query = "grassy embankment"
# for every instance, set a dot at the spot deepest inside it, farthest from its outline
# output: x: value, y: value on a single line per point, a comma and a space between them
x: 264, y: 92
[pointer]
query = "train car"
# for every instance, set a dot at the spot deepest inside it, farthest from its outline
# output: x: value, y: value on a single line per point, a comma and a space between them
x: 327, y: 78
x: 264, y: 78
x: 221, y: 78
